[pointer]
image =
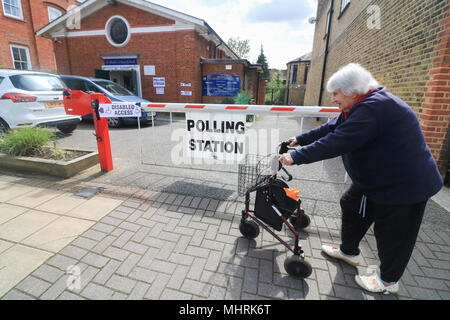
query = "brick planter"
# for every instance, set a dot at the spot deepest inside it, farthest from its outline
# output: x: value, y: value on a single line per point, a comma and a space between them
x: 58, y: 168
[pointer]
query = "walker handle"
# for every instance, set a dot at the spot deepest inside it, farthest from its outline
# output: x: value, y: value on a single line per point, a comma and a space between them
x: 289, y: 176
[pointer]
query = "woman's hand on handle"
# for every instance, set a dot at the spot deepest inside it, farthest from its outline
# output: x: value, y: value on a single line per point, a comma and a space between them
x: 293, y: 141
x: 286, y: 159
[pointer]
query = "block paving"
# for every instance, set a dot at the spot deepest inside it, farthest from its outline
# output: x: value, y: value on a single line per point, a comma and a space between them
x: 162, y: 246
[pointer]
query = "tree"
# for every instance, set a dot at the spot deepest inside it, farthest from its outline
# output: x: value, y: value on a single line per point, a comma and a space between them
x: 240, y: 47
x: 275, y: 90
x: 263, y: 61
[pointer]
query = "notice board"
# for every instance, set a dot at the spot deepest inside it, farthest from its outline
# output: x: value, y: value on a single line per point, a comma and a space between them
x: 221, y: 85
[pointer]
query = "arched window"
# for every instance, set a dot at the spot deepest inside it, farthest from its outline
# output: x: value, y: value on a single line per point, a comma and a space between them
x: 53, y: 13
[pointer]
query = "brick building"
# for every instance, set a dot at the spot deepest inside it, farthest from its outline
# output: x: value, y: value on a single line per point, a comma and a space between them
x: 297, y: 74
x: 159, y: 53
x: 405, y: 44
x: 20, y: 48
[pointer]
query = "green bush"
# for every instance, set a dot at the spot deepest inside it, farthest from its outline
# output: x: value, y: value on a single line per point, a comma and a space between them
x: 26, y: 141
x: 243, y: 97
x: 227, y: 100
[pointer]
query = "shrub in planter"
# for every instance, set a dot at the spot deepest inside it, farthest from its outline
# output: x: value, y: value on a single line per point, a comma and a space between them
x: 25, y: 141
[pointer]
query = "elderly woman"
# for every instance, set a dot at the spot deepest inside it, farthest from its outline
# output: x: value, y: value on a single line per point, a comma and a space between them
x: 392, y: 170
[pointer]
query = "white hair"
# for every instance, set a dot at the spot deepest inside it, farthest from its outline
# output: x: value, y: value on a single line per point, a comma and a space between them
x: 352, y: 78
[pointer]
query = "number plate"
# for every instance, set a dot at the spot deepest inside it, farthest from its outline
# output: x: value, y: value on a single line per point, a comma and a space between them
x: 54, y: 104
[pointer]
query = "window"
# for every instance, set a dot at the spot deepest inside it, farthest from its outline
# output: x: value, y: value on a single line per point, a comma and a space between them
x: 114, y: 88
x: 13, y: 8
x: 1, y: 79
x: 117, y: 31
x: 293, y: 75
x: 53, y: 14
x: 37, y: 82
x: 75, y: 84
x: 344, y: 4
x: 21, y: 57
x: 306, y: 73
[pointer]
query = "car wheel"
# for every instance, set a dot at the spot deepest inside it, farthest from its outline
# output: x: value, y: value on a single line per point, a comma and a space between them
x: 4, y: 128
x: 114, y: 122
x: 67, y: 128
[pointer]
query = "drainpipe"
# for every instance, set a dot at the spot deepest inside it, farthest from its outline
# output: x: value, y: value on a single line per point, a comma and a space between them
x: 326, y: 53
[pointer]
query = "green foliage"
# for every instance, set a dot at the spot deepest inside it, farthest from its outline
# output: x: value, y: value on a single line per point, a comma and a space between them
x: 25, y: 141
x: 227, y: 100
x: 275, y: 91
x: 243, y: 97
x: 240, y: 47
x: 263, y: 61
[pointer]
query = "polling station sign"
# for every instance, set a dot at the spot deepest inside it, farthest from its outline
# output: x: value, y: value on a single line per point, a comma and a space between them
x: 215, y: 136
x: 119, y: 110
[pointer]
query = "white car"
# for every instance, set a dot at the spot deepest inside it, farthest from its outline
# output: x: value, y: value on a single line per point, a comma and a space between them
x: 29, y: 98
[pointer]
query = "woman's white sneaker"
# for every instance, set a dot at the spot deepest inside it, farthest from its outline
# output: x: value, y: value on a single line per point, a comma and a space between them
x: 338, y: 254
x: 373, y: 283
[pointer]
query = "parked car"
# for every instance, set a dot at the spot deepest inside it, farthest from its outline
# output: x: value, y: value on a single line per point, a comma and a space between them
x: 29, y: 98
x: 114, y: 92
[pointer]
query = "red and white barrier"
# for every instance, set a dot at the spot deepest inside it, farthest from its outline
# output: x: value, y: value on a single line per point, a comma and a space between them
x: 249, y: 109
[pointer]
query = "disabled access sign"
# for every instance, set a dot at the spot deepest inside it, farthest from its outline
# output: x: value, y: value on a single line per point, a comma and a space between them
x: 119, y: 110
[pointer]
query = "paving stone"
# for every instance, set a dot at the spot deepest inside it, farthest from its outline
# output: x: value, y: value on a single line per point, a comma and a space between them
x: 121, y: 283
x: 423, y: 294
x: 324, y: 282
x: 139, y: 291
x: 17, y: 295
x: 178, y: 277
x: 106, y: 272
x: 196, y: 288
x: 104, y: 244
x: 33, y: 286
x: 196, y: 269
x: 157, y: 287
x: 48, y: 273
x: 96, y: 292
x: 61, y: 262
x: 73, y: 252
x: 116, y: 253
x: 142, y: 274
x: 95, y: 260
x: 250, y: 281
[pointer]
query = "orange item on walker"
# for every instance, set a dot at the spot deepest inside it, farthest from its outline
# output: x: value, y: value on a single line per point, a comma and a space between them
x: 292, y: 193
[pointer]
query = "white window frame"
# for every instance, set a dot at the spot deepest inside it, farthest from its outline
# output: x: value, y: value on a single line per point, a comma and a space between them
x: 27, y: 52
x: 20, y: 16
x: 344, y: 4
x: 107, y: 29
x: 50, y: 9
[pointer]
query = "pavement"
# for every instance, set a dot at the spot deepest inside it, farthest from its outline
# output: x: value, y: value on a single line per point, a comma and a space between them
x: 151, y: 234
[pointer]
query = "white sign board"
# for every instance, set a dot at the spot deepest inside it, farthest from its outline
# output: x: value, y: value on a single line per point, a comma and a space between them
x: 119, y: 110
x: 216, y: 136
x: 159, y: 90
x: 149, y: 70
x: 159, y: 82
x: 183, y: 84
x: 228, y: 67
x: 186, y: 93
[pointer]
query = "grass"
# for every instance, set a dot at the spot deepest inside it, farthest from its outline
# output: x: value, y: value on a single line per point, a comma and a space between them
x: 25, y: 141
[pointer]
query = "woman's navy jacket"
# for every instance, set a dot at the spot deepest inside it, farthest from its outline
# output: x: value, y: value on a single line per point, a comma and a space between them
x: 383, y: 149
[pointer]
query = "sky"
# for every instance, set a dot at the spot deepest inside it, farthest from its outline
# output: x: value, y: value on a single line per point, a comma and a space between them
x: 280, y: 26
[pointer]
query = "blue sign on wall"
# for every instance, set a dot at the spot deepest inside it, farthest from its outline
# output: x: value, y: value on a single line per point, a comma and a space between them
x: 120, y: 62
x: 221, y: 85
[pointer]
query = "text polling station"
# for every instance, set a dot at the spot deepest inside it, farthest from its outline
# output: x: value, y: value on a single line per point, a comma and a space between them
x: 215, y: 136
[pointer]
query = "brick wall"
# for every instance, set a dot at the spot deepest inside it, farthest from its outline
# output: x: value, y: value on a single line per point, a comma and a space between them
x: 175, y: 55
x: 21, y: 32
x: 295, y: 93
x: 409, y: 55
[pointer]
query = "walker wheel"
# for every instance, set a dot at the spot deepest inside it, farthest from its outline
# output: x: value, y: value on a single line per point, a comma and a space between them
x: 297, y: 267
x: 249, y: 229
x: 305, y: 221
